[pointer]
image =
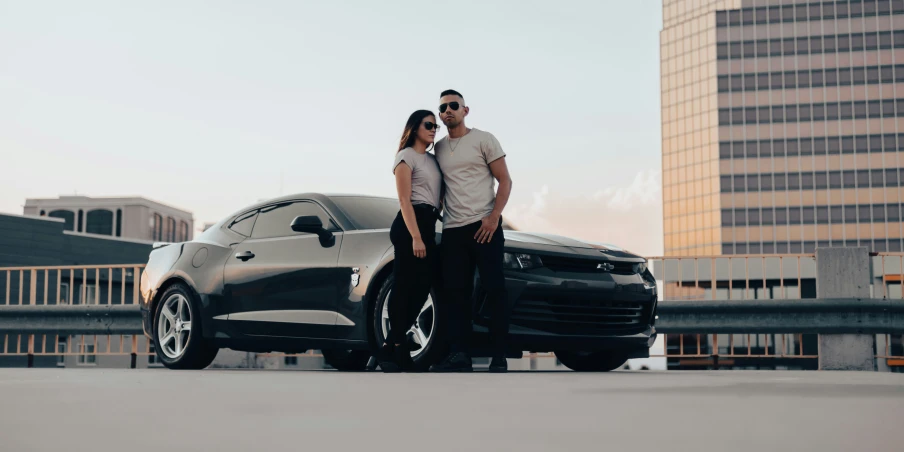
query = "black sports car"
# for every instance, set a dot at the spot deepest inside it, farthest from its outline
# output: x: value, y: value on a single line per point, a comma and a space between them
x: 314, y: 271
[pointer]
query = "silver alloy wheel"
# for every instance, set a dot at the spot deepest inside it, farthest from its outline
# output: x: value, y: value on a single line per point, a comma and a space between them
x: 174, y: 326
x: 423, y: 328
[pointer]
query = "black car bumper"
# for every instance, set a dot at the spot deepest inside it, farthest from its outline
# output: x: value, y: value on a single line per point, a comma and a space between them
x: 573, y: 311
x: 146, y: 322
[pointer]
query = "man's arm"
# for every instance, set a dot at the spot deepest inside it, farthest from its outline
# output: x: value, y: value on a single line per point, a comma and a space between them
x: 491, y: 222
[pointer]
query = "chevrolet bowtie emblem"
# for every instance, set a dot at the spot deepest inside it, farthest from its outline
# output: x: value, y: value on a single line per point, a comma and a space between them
x: 605, y: 266
x: 356, y: 278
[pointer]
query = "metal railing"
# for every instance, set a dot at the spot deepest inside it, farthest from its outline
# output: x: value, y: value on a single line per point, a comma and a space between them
x: 67, y: 279
x: 730, y: 278
x: 761, y: 277
x: 64, y: 287
x: 679, y: 279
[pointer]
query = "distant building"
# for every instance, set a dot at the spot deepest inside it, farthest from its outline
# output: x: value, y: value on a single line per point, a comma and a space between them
x: 134, y: 218
x: 781, y: 133
x: 44, y: 241
x: 781, y: 125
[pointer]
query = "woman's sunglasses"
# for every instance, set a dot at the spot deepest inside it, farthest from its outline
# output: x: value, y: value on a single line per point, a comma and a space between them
x: 431, y: 126
x: 453, y: 105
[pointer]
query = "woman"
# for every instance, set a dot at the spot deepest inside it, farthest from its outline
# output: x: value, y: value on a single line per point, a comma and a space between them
x: 419, y: 184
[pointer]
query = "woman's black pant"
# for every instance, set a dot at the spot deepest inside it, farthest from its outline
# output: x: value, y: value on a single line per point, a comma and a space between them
x: 413, y: 276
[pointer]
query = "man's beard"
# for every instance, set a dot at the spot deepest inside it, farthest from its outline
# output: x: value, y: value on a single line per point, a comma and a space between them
x: 451, y: 123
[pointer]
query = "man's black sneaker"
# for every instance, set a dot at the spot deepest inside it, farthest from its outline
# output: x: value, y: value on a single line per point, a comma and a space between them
x: 402, y: 357
x: 499, y: 365
x: 456, y: 362
x: 389, y: 367
x: 385, y: 357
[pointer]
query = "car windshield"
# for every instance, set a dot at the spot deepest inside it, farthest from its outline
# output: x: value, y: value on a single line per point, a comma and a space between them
x: 368, y: 213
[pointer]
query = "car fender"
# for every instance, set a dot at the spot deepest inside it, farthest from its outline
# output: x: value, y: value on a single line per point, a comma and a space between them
x: 161, y: 261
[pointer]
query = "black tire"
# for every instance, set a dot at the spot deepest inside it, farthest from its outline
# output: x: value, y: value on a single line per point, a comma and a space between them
x: 196, y: 352
x: 437, y: 346
x: 591, y: 361
x: 346, y: 360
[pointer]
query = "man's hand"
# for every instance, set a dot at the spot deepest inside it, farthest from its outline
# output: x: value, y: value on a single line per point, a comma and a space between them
x: 487, y: 228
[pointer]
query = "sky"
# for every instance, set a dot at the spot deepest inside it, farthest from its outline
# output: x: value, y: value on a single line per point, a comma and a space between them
x: 210, y: 106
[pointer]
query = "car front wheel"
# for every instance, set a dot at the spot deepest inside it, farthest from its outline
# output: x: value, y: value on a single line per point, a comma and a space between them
x: 423, y: 337
x: 591, y: 361
x: 178, y: 341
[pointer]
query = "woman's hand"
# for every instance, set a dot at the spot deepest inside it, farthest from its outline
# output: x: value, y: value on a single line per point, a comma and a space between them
x: 420, y: 250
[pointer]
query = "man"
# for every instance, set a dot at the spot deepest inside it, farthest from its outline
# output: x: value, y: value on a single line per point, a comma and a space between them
x: 471, y: 161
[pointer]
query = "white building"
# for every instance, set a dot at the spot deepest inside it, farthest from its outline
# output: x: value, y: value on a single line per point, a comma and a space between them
x: 135, y: 218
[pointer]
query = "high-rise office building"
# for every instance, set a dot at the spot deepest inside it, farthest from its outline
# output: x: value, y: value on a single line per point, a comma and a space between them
x: 781, y: 125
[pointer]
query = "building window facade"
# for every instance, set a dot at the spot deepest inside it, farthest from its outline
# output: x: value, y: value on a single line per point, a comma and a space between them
x: 157, y: 227
x: 88, y: 294
x: 170, y: 229
x: 86, y: 354
x: 100, y: 221
x: 64, y: 296
x: 782, y: 138
x: 67, y: 216
x: 61, y: 351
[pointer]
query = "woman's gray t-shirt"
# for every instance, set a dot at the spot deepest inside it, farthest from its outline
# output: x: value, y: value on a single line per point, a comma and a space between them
x: 426, y: 178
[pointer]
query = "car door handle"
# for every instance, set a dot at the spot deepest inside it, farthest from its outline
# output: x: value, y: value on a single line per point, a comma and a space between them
x: 244, y: 256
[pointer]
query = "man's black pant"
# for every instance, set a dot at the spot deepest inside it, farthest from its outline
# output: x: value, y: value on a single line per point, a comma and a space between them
x: 461, y: 254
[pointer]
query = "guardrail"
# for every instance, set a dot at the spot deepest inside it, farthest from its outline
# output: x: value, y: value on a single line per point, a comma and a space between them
x: 761, y: 279
x: 732, y: 311
x: 813, y: 316
x: 103, y: 320
x: 818, y: 316
x: 53, y: 300
x: 676, y: 317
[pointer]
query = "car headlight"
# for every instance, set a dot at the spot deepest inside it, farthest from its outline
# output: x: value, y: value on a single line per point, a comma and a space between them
x: 517, y: 261
x: 640, y: 268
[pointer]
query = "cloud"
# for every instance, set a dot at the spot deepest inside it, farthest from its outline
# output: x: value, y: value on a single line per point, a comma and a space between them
x: 644, y: 191
x: 629, y: 216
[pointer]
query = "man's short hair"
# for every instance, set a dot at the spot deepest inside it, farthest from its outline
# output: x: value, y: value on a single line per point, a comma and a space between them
x: 452, y: 92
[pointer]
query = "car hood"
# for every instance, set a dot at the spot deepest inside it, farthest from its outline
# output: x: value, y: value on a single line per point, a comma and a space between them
x: 540, y: 241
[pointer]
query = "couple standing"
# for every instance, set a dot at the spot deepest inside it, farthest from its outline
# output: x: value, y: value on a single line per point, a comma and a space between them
x: 458, y: 179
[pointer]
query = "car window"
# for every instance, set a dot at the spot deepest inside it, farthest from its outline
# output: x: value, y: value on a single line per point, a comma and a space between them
x: 369, y: 213
x: 276, y: 220
x: 244, y: 223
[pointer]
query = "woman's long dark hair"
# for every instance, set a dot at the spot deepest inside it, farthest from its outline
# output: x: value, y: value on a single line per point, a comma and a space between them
x: 411, y: 128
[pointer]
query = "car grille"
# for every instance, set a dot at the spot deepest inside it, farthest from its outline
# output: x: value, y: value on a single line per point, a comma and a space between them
x: 567, y: 264
x: 576, y: 316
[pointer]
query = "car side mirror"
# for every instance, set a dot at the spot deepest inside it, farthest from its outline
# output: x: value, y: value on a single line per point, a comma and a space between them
x: 310, y: 224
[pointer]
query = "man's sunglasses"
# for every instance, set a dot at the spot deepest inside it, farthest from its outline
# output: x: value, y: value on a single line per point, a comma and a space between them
x: 431, y: 126
x: 453, y: 105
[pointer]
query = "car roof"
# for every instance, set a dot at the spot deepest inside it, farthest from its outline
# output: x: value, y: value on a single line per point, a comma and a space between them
x: 324, y: 199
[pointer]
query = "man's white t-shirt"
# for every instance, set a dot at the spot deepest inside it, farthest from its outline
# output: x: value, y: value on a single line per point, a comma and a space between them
x: 470, y: 185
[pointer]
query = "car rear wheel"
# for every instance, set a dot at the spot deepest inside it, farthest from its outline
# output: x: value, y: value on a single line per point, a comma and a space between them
x: 423, y: 338
x: 591, y: 361
x: 178, y: 341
